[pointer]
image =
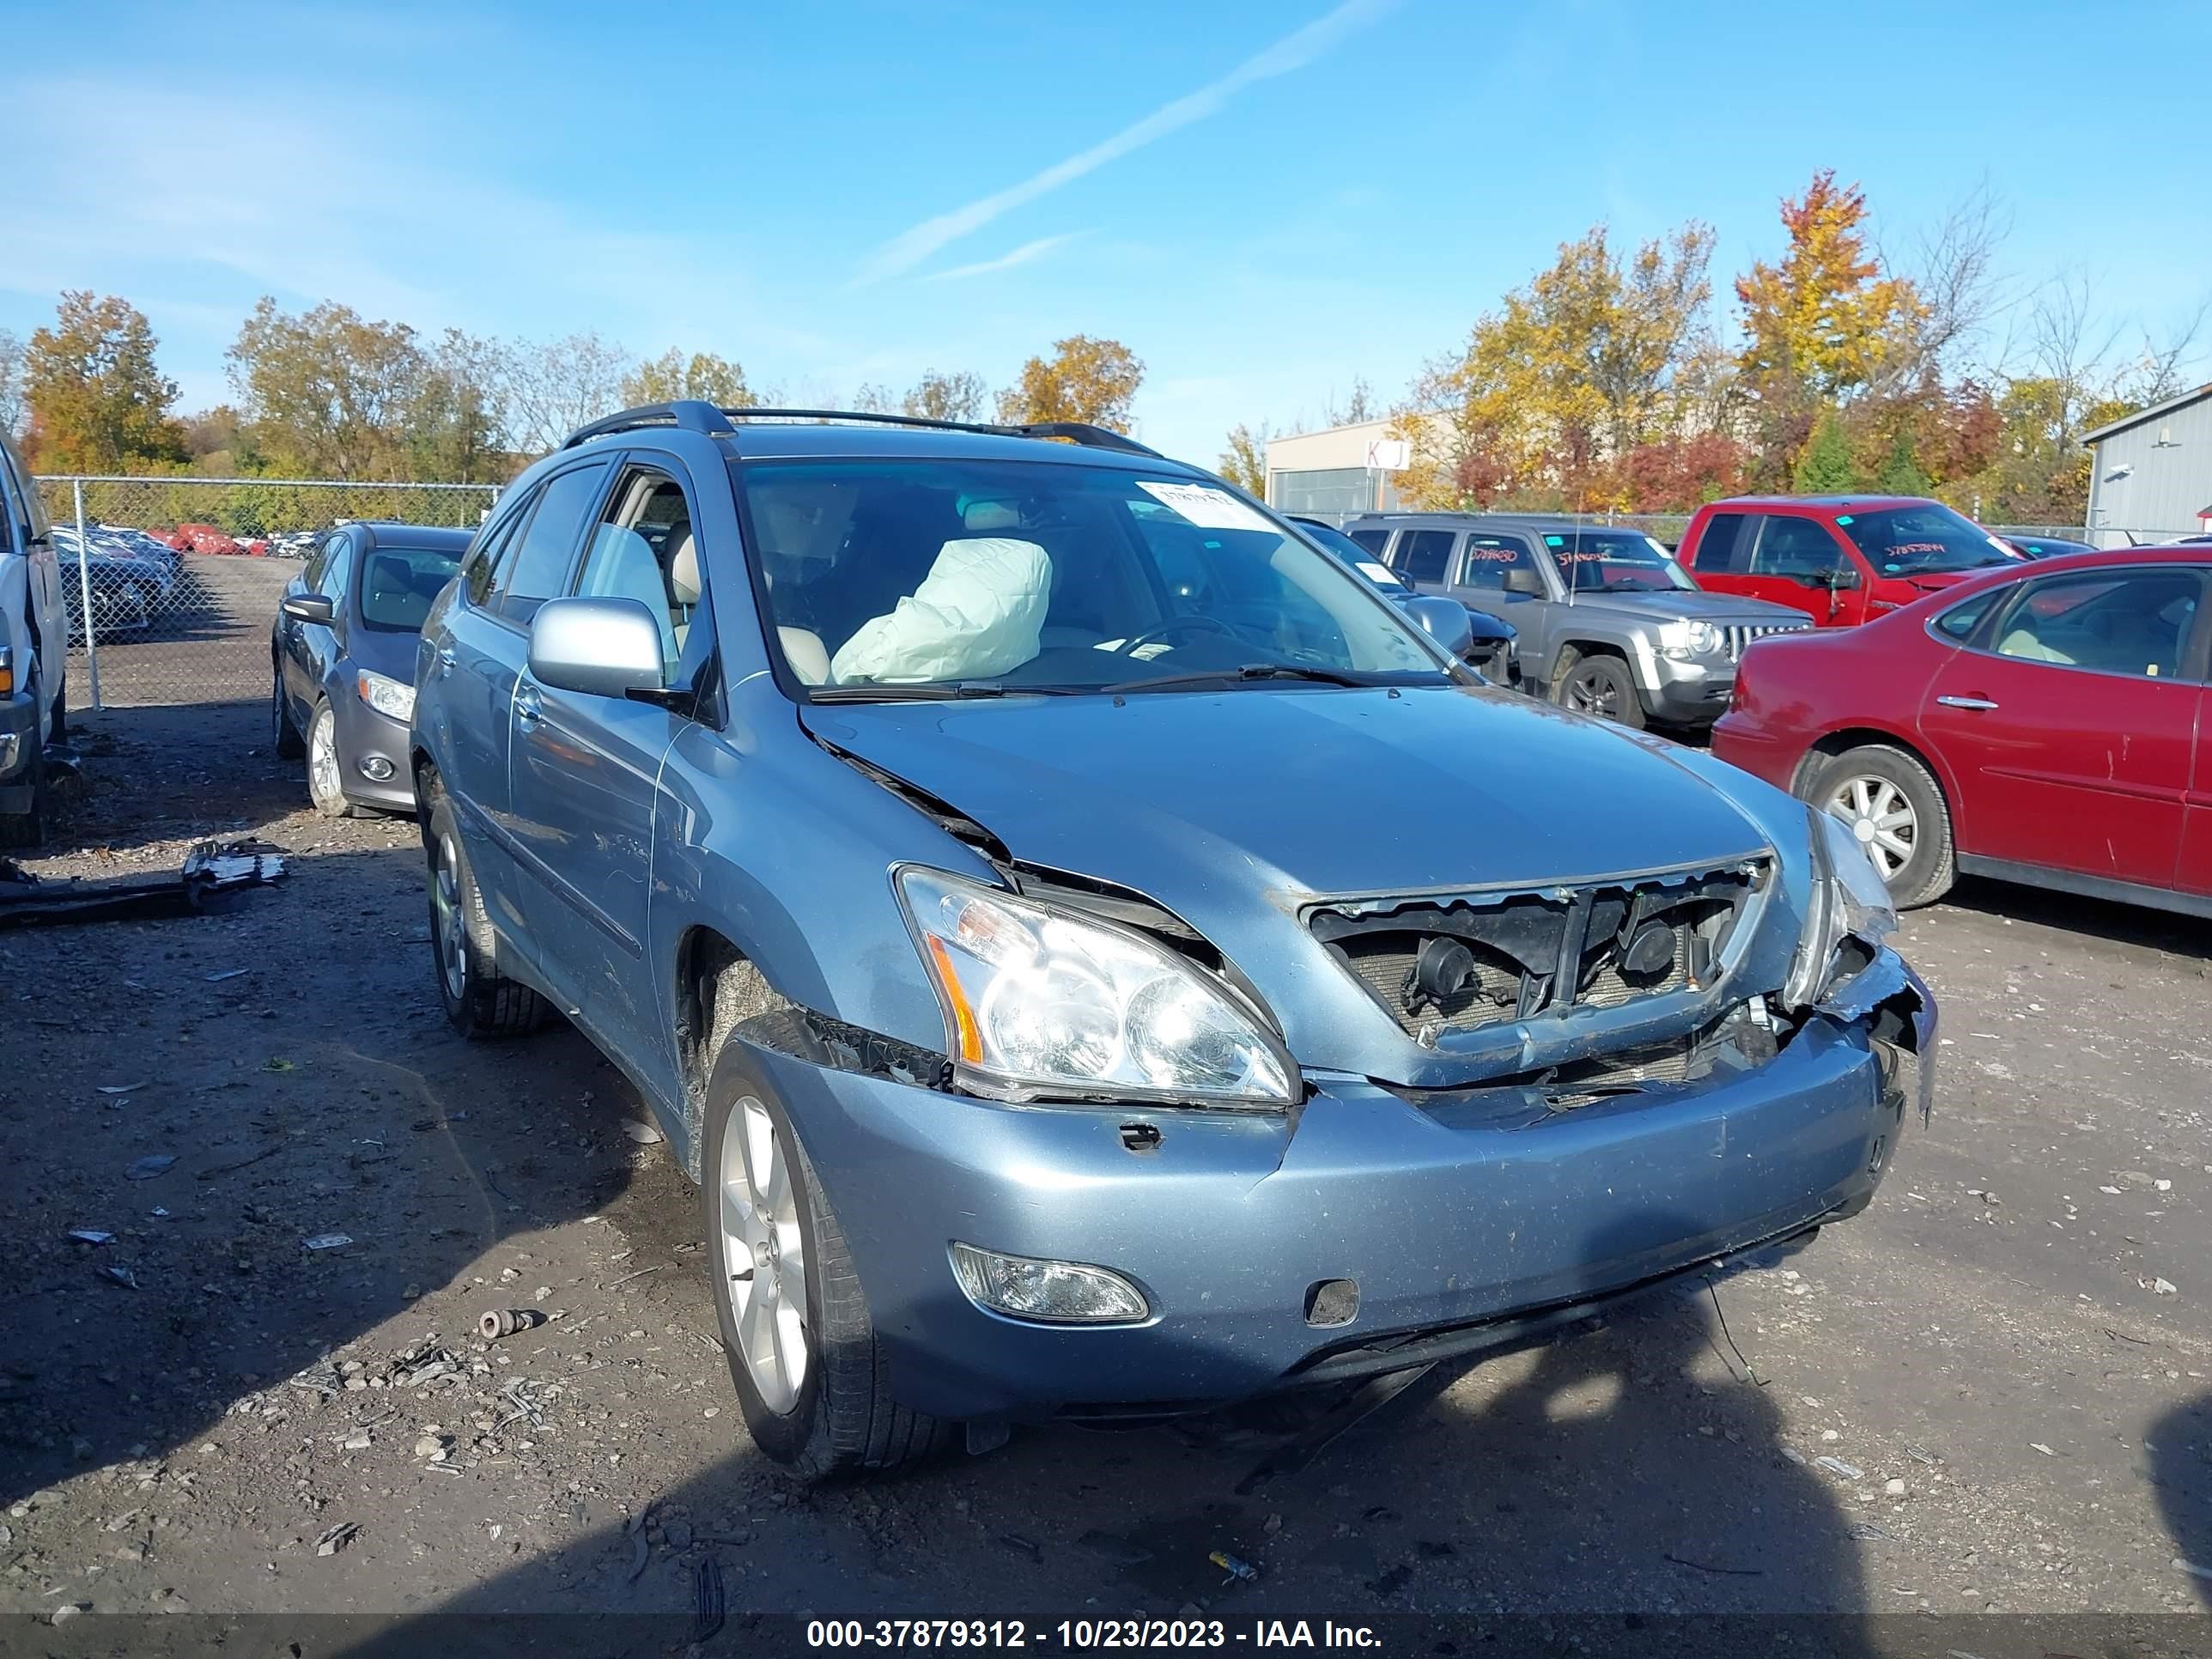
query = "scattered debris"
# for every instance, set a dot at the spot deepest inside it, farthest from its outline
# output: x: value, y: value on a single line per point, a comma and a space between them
x: 278, y: 1063
x: 644, y: 1133
x: 120, y: 1088
x: 1837, y: 1466
x: 639, y: 1553
x: 154, y: 1164
x: 337, y: 1538
x: 1236, y: 1566
x: 2037, y: 1445
x: 1021, y: 1546
x: 327, y: 1242
x: 1894, y: 1488
x: 1918, y: 1454
x: 1704, y: 1566
x: 1866, y: 1530
x: 706, y: 1606
x: 90, y: 1236
x: 211, y: 868
x: 2163, y: 1287
x: 626, y: 1278
x: 229, y: 973
x: 506, y: 1322
x: 122, y: 1276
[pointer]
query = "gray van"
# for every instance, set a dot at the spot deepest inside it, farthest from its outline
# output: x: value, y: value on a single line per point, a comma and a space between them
x: 1607, y: 623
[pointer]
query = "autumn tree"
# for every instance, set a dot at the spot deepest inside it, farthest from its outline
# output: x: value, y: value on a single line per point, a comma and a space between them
x: 1826, y: 467
x: 1244, y: 462
x: 554, y: 387
x: 1091, y: 380
x: 1827, y: 320
x: 329, y: 393
x: 458, y: 415
x: 1576, y: 368
x: 957, y: 397
x: 704, y: 375
x: 97, y: 401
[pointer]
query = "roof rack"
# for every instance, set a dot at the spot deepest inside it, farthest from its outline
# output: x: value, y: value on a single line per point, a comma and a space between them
x: 692, y: 415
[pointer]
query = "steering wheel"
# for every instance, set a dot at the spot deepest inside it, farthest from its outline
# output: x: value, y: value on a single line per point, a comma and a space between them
x: 1168, y: 630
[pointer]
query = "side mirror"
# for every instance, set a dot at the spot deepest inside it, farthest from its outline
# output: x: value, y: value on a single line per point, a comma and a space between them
x: 1445, y: 620
x: 601, y: 648
x: 309, y: 608
x: 1524, y: 582
x: 1842, y: 579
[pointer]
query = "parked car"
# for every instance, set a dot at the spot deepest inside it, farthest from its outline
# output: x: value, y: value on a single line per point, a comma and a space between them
x: 976, y: 870
x: 126, y: 591
x: 1490, y: 645
x: 341, y: 658
x: 2046, y: 547
x: 1607, y: 623
x: 2038, y: 722
x: 154, y: 578
x: 33, y: 651
x: 141, y: 545
x: 1842, y: 558
x: 200, y: 538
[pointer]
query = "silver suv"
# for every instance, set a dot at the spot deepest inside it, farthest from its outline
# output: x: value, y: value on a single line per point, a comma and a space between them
x: 1607, y: 623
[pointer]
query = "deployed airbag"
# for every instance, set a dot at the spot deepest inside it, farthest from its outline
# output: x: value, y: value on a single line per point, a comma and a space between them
x: 977, y: 613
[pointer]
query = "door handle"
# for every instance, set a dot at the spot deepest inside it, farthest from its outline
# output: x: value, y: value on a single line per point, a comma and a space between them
x: 446, y: 660
x: 1965, y: 702
x: 527, y: 708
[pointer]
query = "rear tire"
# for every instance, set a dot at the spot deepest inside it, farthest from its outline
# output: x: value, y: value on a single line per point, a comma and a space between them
x: 1599, y: 686
x: 836, y: 1416
x: 1876, y: 775
x: 28, y: 827
x: 290, y: 745
x: 480, y: 1002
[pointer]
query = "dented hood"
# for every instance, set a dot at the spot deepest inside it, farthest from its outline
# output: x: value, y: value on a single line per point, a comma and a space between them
x: 1233, y: 809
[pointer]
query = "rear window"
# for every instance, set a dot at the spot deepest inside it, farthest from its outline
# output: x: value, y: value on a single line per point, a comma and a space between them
x: 1920, y: 541
x: 400, y: 584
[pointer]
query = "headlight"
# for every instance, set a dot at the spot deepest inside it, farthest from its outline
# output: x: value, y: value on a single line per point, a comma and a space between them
x: 1684, y: 640
x: 1043, y: 1002
x: 1848, y: 900
x: 386, y: 695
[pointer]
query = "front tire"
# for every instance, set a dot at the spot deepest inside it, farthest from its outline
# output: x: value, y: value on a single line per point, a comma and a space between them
x: 1896, y: 809
x: 812, y: 1380
x: 480, y: 1002
x: 326, y: 769
x: 1600, y: 686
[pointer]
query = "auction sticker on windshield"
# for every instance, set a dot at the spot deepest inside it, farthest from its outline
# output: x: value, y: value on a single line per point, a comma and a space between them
x: 1207, y: 508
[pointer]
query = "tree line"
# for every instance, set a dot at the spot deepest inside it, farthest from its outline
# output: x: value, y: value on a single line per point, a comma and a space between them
x: 1604, y: 383
x: 327, y: 393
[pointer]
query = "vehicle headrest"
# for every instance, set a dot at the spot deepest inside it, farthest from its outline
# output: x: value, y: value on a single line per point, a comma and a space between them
x: 683, y: 569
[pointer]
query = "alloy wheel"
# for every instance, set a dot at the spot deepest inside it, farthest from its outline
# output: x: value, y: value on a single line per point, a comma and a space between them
x: 1587, y: 695
x: 764, y: 1255
x: 451, y: 942
x: 323, y: 775
x: 1881, y: 819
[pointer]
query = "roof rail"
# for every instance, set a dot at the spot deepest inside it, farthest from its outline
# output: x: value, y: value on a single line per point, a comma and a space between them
x: 1098, y: 437
x: 689, y: 413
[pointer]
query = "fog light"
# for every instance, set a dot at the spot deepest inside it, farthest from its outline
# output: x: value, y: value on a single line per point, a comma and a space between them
x: 1048, y: 1292
x: 376, y: 769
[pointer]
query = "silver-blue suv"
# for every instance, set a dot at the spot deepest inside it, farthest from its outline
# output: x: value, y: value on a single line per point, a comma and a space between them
x: 1096, y: 955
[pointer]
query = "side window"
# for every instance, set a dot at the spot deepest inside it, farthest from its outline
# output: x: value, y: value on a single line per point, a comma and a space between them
x: 537, y: 567
x: 1791, y: 546
x: 1961, y: 620
x: 1723, y: 549
x: 643, y: 549
x: 1373, y: 540
x: 328, y: 575
x: 1491, y: 562
x: 1424, y: 555
x: 2116, y: 622
x: 483, y: 558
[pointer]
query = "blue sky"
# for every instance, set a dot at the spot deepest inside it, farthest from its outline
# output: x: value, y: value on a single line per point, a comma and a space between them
x: 1263, y: 201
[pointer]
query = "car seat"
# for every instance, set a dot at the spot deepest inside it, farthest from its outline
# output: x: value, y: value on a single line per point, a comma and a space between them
x: 392, y: 593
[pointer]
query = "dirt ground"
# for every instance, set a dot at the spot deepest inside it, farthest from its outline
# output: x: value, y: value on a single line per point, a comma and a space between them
x: 1989, y: 1394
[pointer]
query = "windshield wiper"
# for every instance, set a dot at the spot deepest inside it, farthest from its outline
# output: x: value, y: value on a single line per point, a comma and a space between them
x: 1250, y: 670
x: 936, y: 691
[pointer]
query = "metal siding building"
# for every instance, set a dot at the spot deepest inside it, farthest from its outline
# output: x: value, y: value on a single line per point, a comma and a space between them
x: 2151, y: 472
x: 1325, y: 474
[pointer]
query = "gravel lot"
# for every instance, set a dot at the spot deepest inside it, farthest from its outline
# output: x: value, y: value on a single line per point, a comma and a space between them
x: 2004, y: 1363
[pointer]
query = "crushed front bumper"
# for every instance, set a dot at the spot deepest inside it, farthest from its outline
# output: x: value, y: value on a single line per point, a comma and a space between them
x: 22, y: 730
x: 1445, y: 1220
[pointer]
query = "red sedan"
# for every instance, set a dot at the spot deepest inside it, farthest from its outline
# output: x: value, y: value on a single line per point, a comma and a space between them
x: 2046, y: 723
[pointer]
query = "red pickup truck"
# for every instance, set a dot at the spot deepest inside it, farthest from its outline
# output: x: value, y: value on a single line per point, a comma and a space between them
x: 1843, y: 558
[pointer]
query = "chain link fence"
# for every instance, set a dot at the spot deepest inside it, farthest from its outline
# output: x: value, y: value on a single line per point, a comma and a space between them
x: 172, y: 583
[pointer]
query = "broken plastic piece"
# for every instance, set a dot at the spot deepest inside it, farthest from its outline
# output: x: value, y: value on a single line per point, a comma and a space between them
x: 211, y: 869
x: 1236, y: 1566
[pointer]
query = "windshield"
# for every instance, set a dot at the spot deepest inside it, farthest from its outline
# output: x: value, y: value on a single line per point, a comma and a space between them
x: 977, y: 577
x: 1614, y: 561
x: 1922, y: 541
x: 400, y: 584
x: 1342, y: 547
